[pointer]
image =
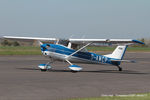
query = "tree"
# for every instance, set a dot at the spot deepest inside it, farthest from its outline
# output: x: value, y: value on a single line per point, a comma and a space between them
x: 15, y: 43
x: 6, y: 43
x: 9, y: 43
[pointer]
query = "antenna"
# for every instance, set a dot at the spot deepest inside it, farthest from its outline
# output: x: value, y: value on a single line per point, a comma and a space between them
x: 71, y: 36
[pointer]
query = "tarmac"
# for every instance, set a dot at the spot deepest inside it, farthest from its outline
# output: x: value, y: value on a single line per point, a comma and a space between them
x: 20, y: 78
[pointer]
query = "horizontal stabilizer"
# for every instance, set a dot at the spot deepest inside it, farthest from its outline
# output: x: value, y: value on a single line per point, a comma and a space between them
x: 128, y: 61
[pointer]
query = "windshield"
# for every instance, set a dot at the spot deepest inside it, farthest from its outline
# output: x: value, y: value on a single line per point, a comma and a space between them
x: 63, y: 42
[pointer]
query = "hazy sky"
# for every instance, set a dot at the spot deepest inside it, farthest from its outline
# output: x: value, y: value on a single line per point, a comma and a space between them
x: 75, y: 18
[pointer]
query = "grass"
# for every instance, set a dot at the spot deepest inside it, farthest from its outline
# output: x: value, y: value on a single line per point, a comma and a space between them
x: 29, y: 50
x: 20, y: 50
x: 121, y: 97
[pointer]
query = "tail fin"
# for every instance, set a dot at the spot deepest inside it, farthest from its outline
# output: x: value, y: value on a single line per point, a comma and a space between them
x: 118, y: 53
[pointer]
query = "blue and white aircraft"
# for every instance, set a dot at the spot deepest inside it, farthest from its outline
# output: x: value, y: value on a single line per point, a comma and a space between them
x: 74, y: 51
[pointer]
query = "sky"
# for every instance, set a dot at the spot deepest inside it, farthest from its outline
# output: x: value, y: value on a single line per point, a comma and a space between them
x: 75, y: 18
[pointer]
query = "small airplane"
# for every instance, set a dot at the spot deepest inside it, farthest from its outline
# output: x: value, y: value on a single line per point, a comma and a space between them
x: 74, y: 51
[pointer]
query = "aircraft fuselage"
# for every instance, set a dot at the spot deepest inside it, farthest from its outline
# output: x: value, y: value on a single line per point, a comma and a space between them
x: 60, y: 52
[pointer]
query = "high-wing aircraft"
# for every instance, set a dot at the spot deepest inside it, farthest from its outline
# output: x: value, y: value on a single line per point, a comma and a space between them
x: 74, y: 51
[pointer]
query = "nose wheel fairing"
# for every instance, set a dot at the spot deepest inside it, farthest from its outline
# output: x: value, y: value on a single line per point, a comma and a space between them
x: 44, y: 67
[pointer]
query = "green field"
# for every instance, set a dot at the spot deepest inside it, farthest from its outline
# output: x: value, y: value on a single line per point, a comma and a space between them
x: 20, y: 50
x: 120, y: 97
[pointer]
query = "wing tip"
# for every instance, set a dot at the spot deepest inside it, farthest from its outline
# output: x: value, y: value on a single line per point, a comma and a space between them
x: 137, y: 41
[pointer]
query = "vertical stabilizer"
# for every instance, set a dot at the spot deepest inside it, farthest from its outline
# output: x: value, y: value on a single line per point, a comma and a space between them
x: 118, y: 53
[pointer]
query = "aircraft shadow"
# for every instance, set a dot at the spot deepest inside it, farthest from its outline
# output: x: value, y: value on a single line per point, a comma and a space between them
x: 93, y: 71
x: 116, y: 71
x: 28, y: 68
x: 104, y: 71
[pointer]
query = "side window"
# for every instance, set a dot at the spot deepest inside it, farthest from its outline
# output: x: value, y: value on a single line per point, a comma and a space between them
x: 63, y: 42
x: 74, y: 46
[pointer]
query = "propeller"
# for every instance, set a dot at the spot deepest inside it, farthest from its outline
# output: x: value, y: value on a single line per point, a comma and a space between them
x: 39, y: 43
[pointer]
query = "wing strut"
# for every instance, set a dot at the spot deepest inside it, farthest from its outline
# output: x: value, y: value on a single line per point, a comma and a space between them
x: 75, y: 68
x: 69, y: 62
x: 78, y: 50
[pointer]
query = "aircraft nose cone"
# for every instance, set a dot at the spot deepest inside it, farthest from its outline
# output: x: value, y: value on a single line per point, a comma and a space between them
x: 44, y: 53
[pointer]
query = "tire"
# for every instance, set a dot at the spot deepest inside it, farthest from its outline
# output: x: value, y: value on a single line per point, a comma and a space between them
x: 43, y: 70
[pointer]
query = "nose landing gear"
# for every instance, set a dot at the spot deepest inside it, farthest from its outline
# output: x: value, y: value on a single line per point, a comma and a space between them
x: 44, y: 67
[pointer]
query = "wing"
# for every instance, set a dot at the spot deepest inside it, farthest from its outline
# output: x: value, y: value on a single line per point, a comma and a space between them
x: 79, y: 41
x: 30, y: 38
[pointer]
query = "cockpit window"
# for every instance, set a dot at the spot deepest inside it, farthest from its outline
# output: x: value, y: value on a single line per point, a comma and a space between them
x: 63, y: 42
x: 77, y: 47
x: 74, y: 46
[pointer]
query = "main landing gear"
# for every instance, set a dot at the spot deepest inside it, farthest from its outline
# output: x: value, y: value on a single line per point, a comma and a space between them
x: 74, y: 68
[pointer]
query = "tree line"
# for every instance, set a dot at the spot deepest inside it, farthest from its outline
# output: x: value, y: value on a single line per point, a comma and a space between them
x: 10, y: 43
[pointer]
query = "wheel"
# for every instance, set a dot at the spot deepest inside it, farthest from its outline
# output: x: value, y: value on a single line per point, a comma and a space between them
x: 43, y: 70
x: 120, y: 69
x: 74, y: 71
